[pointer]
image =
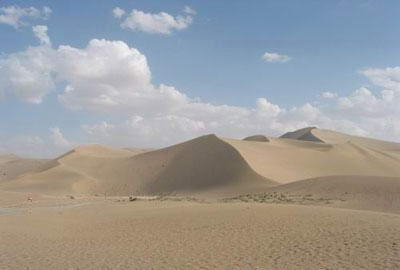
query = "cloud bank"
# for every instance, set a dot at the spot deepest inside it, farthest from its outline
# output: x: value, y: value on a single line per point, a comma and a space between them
x: 112, y: 78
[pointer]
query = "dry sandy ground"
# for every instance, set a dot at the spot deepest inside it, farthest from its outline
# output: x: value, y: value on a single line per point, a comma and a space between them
x: 109, y: 234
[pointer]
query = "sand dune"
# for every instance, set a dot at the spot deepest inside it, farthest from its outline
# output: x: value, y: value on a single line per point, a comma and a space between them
x: 287, y: 160
x: 213, y: 167
x: 257, y: 138
x: 333, y: 137
x: 206, y: 165
x: 304, y: 134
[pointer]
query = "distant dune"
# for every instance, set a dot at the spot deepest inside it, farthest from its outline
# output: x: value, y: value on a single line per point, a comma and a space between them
x: 257, y: 138
x: 286, y: 160
x: 213, y: 167
x: 304, y: 134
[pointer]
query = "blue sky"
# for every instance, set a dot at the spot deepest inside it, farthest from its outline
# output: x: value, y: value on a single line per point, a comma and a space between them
x: 334, y: 46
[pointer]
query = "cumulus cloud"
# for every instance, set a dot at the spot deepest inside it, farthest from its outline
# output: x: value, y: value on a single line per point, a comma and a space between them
x: 118, y: 12
x: 28, y: 75
x: 40, y: 31
x: 15, y: 16
x: 154, y: 23
x: 112, y: 78
x: 276, y: 57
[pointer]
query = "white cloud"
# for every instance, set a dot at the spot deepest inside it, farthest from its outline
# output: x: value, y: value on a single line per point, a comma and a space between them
x: 58, y: 139
x: 388, y: 78
x: 154, y: 23
x: 28, y: 75
x: 189, y: 10
x: 118, y: 79
x: 118, y: 12
x: 329, y: 95
x: 276, y: 58
x: 40, y: 31
x: 14, y: 15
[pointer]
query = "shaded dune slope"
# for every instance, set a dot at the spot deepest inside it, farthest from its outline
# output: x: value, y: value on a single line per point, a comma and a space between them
x: 203, y: 165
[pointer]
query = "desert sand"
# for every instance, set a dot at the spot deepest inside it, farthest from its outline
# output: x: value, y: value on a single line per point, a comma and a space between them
x: 310, y: 199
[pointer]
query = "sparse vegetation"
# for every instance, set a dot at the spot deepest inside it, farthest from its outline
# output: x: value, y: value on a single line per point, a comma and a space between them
x: 278, y: 197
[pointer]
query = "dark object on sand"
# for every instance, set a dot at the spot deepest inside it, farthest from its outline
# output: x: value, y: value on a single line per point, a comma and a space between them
x: 131, y: 198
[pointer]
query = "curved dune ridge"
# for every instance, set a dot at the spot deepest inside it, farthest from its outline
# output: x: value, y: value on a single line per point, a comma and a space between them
x: 214, y: 167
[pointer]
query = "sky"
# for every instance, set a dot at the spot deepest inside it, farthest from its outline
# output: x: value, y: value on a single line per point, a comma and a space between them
x: 151, y: 73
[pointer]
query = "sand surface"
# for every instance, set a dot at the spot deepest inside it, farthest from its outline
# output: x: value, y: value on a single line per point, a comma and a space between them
x: 189, y: 235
